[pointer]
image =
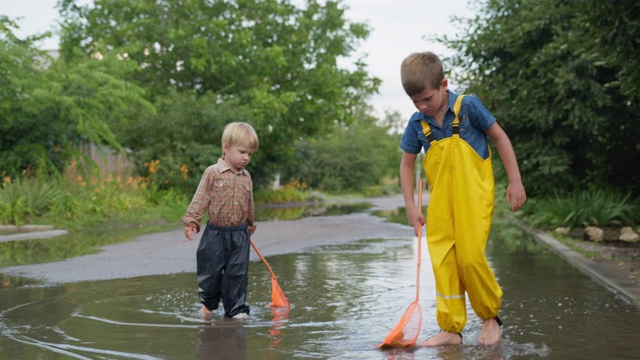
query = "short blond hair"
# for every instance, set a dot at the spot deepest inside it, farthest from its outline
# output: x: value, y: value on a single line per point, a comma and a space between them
x: 420, y: 70
x: 240, y: 133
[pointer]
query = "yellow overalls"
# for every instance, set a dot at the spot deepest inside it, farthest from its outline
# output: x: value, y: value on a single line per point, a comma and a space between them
x: 459, y: 217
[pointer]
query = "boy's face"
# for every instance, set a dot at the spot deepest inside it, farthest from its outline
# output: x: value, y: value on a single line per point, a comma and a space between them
x: 237, y: 156
x: 430, y: 101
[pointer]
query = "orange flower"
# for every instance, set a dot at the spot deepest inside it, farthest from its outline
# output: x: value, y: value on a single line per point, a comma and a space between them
x: 185, y: 171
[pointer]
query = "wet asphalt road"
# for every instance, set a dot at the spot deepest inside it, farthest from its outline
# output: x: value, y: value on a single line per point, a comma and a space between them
x: 170, y: 252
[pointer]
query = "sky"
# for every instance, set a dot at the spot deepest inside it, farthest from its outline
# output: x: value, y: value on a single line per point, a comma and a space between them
x: 398, y: 28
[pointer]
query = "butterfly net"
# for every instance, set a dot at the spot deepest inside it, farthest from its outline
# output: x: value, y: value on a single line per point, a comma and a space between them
x: 406, y: 331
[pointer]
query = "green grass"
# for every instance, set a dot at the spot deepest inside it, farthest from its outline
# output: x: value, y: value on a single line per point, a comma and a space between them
x: 73, y: 205
x: 596, y: 207
x: 103, y: 213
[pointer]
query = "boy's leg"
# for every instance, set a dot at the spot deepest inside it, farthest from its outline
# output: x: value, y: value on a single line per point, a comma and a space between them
x: 210, y: 265
x: 473, y: 201
x: 450, y: 298
x: 205, y: 312
x: 485, y: 295
x: 236, y: 276
x: 490, y: 333
x: 451, y: 311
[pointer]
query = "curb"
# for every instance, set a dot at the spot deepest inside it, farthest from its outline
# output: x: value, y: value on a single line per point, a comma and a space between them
x: 611, y: 281
x: 33, y: 235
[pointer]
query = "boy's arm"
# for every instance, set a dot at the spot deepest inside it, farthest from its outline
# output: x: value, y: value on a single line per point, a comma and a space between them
x: 198, y: 206
x: 190, y: 230
x: 407, y: 166
x: 250, y: 220
x: 516, y: 195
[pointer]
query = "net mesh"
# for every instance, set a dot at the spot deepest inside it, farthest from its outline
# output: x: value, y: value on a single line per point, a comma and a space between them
x: 406, y: 331
x: 278, y: 299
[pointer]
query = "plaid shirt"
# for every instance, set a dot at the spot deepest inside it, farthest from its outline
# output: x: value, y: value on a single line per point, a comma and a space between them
x: 227, y: 196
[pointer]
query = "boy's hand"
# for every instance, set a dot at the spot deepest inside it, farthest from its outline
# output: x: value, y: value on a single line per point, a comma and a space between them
x: 252, y: 229
x: 416, y: 219
x: 190, y: 230
x: 516, y: 195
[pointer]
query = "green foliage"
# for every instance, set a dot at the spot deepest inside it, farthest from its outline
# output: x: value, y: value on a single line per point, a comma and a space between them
x: 613, y: 31
x: 76, y: 203
x: 102, y: 199
x: 280, y: 196
x: 353, y: 158
x: 66, y: 206
x: 183, y: 136
x: 22, y: 199
x: 596, y: 207
x: 154, y: 196
x: 270, y: 63
x: 14, y: 210
x: 49, y: 108
x: 531, y: 64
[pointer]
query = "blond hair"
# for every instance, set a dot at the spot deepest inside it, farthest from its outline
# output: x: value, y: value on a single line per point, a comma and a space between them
x: 240, y: 133
x: 420, y: 70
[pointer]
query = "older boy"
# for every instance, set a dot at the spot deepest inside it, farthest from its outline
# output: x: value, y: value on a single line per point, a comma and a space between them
x: 457, y: 163
x: 226, y: 192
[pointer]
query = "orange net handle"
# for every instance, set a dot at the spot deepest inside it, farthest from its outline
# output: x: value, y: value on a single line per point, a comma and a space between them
x: 278, y: 299
x: 406, y: 331
x: 419, y: 241
x: 262, y: 258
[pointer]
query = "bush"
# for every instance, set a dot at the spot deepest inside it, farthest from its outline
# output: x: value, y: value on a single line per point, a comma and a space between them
x: 596, y: 207
x: 22, y: 199
x: 280, y: 196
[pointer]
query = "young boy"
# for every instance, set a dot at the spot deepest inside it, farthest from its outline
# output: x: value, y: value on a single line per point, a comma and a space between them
x: 453, y: 131
x: 226, y: 192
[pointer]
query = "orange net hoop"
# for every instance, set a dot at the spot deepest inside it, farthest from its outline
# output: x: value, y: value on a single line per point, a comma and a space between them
x: 278, y: 299
x: 406, y: 331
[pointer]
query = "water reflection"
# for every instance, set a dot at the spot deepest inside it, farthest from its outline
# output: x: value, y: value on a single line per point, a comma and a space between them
x: 280, y: 318
x: 226, y: 341
x: 345, y: 299
x: 288, y: 212
x: 398, y: 215
x: 39, y: 251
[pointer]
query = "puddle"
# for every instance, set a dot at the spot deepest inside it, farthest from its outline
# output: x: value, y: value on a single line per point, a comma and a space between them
x: 38, y: 251
x: 345, y: 299
x: 397, y: 215
x: 288, y: 212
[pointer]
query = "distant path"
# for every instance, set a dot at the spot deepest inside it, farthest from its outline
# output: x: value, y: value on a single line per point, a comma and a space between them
x: 170, y: 252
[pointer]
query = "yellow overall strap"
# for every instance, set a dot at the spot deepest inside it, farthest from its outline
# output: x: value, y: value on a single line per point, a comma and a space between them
x: 426, y: 128
x: 456, y: 121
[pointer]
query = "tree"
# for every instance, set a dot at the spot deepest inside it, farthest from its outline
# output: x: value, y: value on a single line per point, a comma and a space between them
x: 350, y: 158
x: 49, y: 109
x: 272, y: 58
x: 162, y: 137
x: 529, y: 63
x: 612, y: 29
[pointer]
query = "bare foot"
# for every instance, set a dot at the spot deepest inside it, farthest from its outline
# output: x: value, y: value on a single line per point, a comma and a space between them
x: 205, y: 312
x: 490, y: 333
x: 443, y: 338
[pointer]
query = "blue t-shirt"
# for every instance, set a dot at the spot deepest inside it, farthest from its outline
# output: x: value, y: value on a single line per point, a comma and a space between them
x: 475, y: 120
